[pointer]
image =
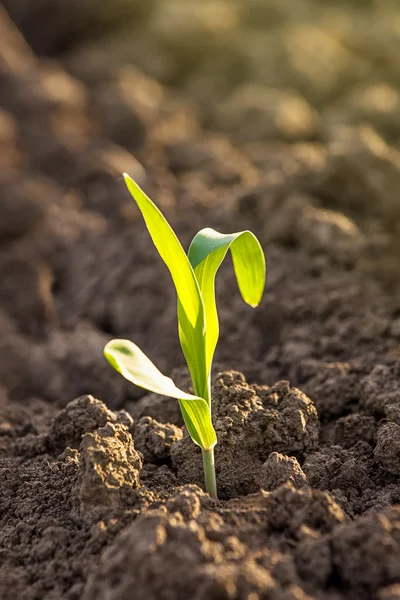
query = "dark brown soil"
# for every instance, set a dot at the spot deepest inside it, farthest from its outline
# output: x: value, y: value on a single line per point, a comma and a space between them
x: 282, y: 117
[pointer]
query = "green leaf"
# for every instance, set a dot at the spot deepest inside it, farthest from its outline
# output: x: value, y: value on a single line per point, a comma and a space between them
x: 197, y: 417
x: 206, y: 253
x: 129, y: 360
x: 135, y: 366
x: 191, y: 314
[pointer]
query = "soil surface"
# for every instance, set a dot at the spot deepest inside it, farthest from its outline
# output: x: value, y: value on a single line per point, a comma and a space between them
x: 281, y: 117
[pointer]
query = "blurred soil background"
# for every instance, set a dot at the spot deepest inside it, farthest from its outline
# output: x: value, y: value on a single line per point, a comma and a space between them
x: 278, y: 116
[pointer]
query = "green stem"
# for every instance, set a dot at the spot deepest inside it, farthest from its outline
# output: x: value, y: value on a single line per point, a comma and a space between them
x: 209, y: 472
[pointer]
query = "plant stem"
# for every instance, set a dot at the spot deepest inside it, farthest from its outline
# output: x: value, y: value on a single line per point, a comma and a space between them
x: 209, y: 472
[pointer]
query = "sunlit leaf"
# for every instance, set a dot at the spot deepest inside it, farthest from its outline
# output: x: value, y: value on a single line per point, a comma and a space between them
x: 197, y: 416
x: 135, y: 366
x: 129, y: 360
x: 190, y: 305
x: 206, y: 253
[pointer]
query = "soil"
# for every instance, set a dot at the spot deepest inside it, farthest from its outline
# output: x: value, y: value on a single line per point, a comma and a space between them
x: 283, y: 118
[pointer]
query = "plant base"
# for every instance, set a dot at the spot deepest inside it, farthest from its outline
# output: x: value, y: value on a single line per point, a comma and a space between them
x: 209, y: 472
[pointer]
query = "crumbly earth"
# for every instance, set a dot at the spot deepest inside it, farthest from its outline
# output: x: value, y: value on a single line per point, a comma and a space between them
x: 280, y: 117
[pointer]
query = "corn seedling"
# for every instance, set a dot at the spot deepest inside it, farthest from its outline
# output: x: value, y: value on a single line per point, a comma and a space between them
x: 194, y: 278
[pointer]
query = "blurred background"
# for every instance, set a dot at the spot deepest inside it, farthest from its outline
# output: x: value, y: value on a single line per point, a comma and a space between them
x: 279, y: 116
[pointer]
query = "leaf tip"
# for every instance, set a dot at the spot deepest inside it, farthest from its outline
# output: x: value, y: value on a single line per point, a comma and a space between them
x: 109, y: 345
x: 127, y: 178
x: 254, y: 301
x: 107, y: 351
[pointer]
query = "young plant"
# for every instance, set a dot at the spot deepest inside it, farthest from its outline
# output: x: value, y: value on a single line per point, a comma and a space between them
x: 194, y: 278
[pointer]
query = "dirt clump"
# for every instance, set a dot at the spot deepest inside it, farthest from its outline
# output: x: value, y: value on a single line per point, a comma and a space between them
x: 251, y: 422
x: 387, y: 450
x: 109, y: 468
x: 155, y: 439
x: 279, y: 469
x: 82, y: 415
x: 245, y: 570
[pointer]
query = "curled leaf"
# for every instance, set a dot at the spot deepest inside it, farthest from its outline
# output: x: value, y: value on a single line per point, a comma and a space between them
x: 206, y: 253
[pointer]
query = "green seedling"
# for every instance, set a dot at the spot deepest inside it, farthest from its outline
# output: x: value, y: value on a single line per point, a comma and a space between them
x: 194, y: 278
